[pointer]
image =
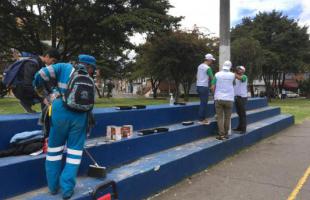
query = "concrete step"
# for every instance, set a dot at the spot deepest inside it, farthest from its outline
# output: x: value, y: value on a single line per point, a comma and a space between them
x: 157, y: 171
x: 112, y: 154
x: 152, y: 116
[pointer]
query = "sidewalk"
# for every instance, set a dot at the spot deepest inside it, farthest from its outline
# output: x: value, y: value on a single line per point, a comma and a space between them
x: 269, y: 170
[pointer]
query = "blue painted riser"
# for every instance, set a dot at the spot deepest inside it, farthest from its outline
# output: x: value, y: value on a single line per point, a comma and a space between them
x: 152, y: 116
x: 126, y: 151
x: 155, y: 172
x: 171, y: 173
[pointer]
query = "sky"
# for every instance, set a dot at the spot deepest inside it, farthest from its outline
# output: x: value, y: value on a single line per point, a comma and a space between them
x: 205, y: 13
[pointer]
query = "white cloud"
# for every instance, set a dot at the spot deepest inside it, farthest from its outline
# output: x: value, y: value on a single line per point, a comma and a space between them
x: 205, y: 13
x: 305, y: 15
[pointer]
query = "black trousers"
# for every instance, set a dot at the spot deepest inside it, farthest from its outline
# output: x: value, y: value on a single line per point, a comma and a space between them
x: 240, y: 103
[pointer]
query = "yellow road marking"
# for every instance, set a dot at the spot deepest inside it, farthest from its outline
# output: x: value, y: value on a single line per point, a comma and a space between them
x: 299, y: 185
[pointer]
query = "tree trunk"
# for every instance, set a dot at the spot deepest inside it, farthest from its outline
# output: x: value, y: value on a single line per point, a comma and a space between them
x: 186, y: 87
x: 283, y: 81
x: 98, y: 92
x: 267, y: 86
x: 177, y: 92
x: 251, y: 87
x: 155, y: 85
x: 154, y: 93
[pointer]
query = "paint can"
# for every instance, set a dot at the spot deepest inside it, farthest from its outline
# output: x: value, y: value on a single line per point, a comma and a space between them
x: 127, y: 131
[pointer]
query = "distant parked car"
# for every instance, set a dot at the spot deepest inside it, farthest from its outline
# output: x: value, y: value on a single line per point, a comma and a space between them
x: 291, y: 94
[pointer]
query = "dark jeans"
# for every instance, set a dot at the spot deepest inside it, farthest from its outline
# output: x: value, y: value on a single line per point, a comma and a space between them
x: 240, y: 103
x: 203, y: 93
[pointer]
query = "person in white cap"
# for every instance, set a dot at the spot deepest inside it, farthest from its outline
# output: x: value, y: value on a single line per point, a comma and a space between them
x: 241, y: 94
x: 204, y: 76
x: 223, y: 88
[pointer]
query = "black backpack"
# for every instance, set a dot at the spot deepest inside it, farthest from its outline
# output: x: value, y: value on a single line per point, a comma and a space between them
x: 10, y: 74
x: 80, y: 95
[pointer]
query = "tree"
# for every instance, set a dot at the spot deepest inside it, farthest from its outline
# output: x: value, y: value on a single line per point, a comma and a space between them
x: 284, y: 44
x: 305, y: 87
x: 147, y: 64
x: 247, y: 51
x: 99, y: 27
x: 175, y: 55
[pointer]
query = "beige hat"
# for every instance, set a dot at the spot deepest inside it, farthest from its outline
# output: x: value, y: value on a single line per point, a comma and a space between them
x: 227, y: 65
x: 209, y: 57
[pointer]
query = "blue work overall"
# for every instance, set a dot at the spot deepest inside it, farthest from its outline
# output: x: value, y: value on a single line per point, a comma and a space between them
x: 68, y: 128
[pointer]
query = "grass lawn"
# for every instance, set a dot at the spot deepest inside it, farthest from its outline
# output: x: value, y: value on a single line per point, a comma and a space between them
x: 11, y: 105
x: 298, y: 107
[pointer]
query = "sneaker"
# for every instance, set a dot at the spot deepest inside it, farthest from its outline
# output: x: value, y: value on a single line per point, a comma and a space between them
x: 220, y: 137
x: 200, y: 122
x: 67, y: 197
x: 205, y: 122
x: 54, y: 192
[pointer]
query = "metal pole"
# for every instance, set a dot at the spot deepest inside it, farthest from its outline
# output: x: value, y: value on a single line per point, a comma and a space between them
x: 224, y: 31
x: 224, y: 35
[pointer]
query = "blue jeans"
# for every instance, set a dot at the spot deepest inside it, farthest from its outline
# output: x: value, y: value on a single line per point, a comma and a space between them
x: 203, y: 93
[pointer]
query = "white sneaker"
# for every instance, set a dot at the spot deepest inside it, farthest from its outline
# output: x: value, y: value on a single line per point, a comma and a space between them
x: 205, y: 122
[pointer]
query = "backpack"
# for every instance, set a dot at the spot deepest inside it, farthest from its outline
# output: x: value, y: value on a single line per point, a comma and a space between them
x: 80, y: 95
x: 10, y: 74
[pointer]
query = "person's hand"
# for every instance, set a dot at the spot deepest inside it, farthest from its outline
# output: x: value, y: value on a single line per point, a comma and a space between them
x: 46, y: 102
x: 213, y: 88
x: 239, y: 77
x: 39, y: 91
x: 52, y: 97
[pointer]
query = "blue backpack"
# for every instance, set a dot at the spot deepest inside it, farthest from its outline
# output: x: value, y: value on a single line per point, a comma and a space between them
x: 9, y: 75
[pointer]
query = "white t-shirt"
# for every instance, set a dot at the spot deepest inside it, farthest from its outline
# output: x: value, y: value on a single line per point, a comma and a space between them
x: 202, y: 75
x: 241, y: 87
x: 224, y: 86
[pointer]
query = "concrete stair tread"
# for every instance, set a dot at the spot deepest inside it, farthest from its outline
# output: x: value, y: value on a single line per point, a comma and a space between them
x: 102, y: 140
x: 172, y: 127
x: 151, y: 162
x: 152, y: 116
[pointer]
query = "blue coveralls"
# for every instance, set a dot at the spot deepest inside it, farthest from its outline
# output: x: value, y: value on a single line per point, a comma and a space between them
x: 66, y: 127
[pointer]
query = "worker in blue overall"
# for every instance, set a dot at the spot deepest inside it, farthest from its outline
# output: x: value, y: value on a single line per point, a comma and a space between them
x: 67, y: 128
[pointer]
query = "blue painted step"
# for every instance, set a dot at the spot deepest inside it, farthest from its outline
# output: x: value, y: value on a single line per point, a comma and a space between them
x: 126, y: 150
x: 154, y: 172
x: 152, y: 116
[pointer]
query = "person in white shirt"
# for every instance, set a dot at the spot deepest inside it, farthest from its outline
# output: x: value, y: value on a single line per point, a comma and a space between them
x: 241, y: 94
x: 204, y: 76
x: 223, y: 88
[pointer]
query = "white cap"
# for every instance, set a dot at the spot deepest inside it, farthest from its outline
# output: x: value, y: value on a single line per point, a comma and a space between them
x: 242, y: 68
x: 209, y: 57
x: 227, y: 65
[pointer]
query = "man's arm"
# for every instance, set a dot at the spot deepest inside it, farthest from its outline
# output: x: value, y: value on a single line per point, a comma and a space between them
x: 242, y: 78
x: 213, y: 83
x: 210, y: 73
x: 45, y: 75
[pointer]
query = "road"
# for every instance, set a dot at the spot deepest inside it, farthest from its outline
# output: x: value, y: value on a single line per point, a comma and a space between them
x: 269, y: 170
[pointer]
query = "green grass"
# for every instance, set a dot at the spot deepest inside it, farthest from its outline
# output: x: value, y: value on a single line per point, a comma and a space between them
x: 300, y: 108
x: 104, y: 102
x: 11, y: 105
